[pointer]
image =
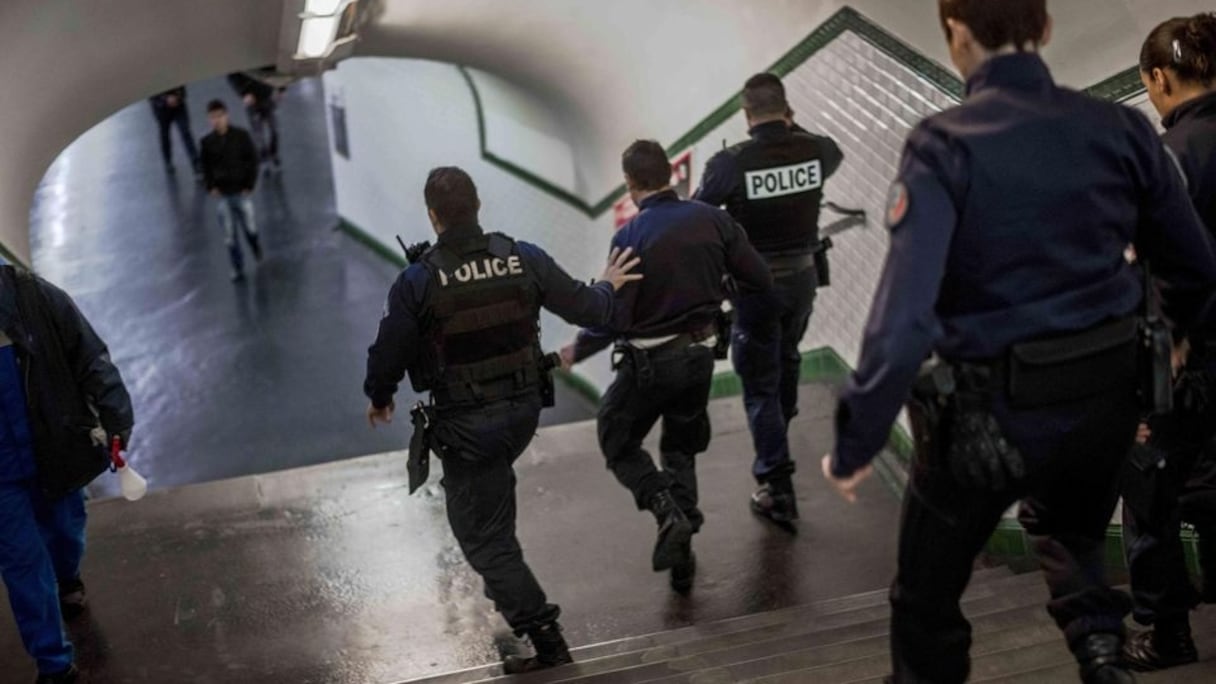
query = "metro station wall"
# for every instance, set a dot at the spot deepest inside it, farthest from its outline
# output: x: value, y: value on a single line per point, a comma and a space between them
x: 405, y: 117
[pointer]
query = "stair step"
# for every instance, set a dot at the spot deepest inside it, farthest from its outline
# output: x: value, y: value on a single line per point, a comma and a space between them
x: 820, y: 616
x: 849, y: 660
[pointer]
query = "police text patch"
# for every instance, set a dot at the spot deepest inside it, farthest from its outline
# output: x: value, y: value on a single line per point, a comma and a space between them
x: 784, y: 180
x: 483, y: 269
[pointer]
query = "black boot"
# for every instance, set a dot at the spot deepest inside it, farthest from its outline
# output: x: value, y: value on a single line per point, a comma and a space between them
x: 1168, y: 644
x: 674, y: 543
x: 775, y: 500
x: 551, y: 651
x: 68, y: 676
x: 682, y: 574
x: 1099, y: 658
x: 72, y: 599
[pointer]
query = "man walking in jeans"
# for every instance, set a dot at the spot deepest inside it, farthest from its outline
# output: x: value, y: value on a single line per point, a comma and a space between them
x: 230, y: 170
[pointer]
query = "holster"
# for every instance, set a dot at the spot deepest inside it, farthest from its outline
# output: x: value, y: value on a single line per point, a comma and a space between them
x: 823, y: 272
x: 638, y: 358
x: 928, y: 412
x: 548, y: 392
x: 418, y: 466
x: 723, y: 321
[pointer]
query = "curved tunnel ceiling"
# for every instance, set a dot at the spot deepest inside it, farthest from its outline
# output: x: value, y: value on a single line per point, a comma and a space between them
x: 605, y: 72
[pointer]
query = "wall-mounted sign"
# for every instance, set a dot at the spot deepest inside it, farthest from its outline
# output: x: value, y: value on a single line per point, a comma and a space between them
x: 681, y: 182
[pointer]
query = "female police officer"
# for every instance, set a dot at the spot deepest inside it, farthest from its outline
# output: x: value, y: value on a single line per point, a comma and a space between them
x: 1008, y: 224
x: 1178, y: 67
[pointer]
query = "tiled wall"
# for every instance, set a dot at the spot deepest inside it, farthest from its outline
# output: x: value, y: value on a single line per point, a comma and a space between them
x: 867, y: 101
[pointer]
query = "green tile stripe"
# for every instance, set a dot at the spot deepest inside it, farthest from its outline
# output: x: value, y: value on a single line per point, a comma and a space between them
x: 372, y: 243
x: 1118, y: 87
x: 1011, y: 543
x: 8, y: 256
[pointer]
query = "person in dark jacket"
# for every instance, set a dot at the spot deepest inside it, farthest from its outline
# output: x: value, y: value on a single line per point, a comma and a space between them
x: 1173, y: 476
x: 665, y: 329
x: 261, y: 103
x: 1008, y: 223
x: 170, y: 109
x: 61, y: 402
x: 230, y: 171
x: 462, y: 321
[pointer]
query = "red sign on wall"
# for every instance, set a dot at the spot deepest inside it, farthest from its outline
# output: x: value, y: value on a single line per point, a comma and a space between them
x: 681, y: 182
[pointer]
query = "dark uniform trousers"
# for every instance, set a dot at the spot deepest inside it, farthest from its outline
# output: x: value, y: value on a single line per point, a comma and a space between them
x: 767, y: 330
x: 1157, y: 499
x: 673, y: 386
x: 479, y: 448
x: 1074, y: 454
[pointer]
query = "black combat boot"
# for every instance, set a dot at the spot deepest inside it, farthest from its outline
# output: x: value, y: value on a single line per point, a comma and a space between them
x: 1099, y: 658
x: 551, y: 651
x: 682, y: 574
x: 1167, y: 644
x: 775, y: 500
x: 674, y: 543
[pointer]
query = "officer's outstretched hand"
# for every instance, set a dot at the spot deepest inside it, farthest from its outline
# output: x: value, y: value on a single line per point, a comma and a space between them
x: 382, y: 415
x: 846, y: 487
x: 620, y: 266
x: 567, y: 356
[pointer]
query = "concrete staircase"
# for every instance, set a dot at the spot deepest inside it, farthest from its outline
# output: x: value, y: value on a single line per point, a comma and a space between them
x: 840, y: 640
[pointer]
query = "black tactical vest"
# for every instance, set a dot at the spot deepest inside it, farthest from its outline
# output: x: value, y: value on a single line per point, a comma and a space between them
x: 778, y: 192
x: 481, y: 338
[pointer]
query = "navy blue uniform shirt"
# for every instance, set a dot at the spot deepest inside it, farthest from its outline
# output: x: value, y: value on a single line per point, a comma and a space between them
x: 1008, y: 222
x: 16, y: 443
x: 407, y: 316
x: 1191, y: 134
x: 686, y: 248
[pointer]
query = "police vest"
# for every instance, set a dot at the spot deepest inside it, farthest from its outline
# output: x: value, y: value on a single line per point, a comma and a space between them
x: 482, y: 341
x: 778, y: 192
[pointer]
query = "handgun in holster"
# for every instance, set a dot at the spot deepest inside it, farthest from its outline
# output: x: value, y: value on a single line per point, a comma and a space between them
x: 639, y: 359
x: 823, y: 271
x: 548, y: 391
x: 419, y: 463
x: 927, y: 406
x: 723, y: 320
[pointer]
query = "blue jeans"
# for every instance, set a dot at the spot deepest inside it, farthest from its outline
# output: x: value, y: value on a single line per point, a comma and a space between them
x: 764, y: 349
x: 236, y: 212
x: 41, y: 545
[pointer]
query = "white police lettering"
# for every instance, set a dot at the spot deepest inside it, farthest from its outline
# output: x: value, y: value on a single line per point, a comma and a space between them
x: 483, y: 269
x: 780, y: 181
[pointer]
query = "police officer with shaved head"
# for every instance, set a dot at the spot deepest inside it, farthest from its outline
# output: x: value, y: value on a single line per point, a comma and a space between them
x: 462, y: 320
x: 1008, y: 224
x: 772, y: 184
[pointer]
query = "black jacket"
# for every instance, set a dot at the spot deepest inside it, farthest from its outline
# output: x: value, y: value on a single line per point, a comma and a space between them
x: 230, y: 161
x: 71, y: 385
x: 1191, y: 134
x: 263, y: 93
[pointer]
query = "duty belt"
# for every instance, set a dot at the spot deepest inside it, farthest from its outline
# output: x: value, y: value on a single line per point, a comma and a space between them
x: 783, y: 265
x: 640, y: 358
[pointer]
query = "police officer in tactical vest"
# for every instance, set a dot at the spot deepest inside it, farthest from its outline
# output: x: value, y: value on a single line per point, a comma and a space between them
x: 1008, y: 223
x: 666, y: 329
x: 772, y: 184
x: 462, y: 321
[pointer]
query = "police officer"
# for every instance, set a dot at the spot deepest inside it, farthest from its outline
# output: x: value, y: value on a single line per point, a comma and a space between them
x: 1178, y: 66
x: 772, y: 184
x: 666, y: 328
x: 61, y: 402
x: 1008, y: 222
x: 462, y: 321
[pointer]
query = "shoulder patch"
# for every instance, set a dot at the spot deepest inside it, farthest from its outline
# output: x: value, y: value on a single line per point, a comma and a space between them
x: 897, y: 204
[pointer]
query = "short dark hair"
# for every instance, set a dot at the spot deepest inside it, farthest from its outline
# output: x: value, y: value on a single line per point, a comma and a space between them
x: 764, y: 95
x: 645, y: 163
x: 1185, y: 44
x: 451, y: 194
x: 216, y: 106
x: 997, y: 23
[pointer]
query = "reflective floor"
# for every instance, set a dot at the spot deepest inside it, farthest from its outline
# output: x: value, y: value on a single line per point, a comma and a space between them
x: 227, y: 380
x: 334, y: 575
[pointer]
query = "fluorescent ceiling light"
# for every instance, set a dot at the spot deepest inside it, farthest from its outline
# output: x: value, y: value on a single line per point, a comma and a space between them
x: 316, y: 35
x: 326, y: 7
